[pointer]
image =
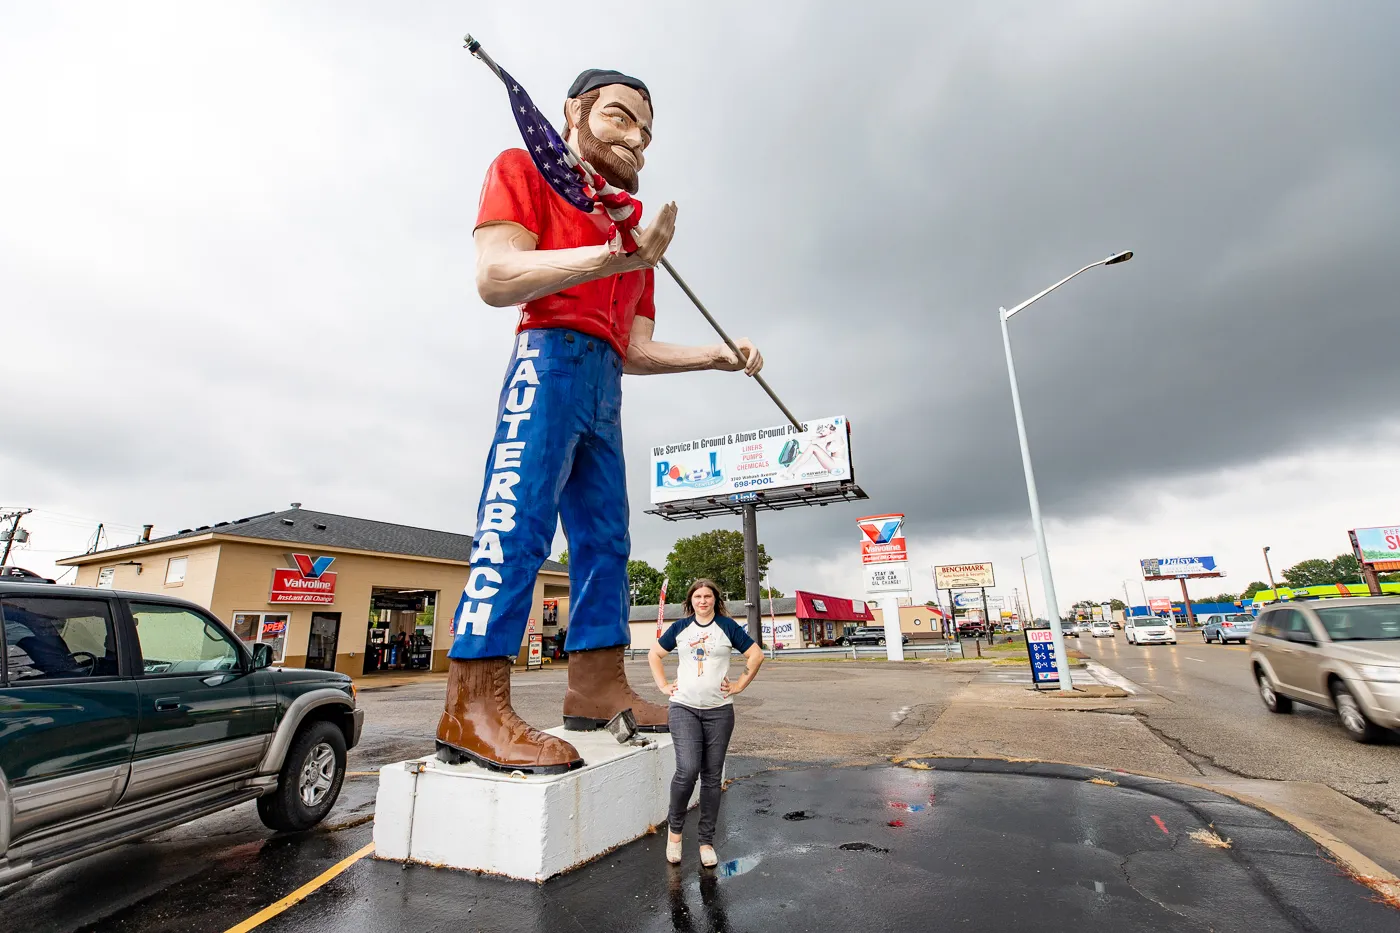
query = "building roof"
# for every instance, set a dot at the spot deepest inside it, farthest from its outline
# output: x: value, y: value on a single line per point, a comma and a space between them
x: 834, y: 608
x: 313, y: 529
x: 782, y: 606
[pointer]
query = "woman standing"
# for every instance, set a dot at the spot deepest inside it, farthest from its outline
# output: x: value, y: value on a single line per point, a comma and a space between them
x: 702, y: 707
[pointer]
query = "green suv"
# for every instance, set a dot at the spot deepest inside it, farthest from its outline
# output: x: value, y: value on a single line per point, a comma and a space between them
x: 123, y: 714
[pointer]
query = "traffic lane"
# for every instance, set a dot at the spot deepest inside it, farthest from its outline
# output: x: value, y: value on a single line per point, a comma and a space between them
x: 991, y: 845
x: 1209, y: 709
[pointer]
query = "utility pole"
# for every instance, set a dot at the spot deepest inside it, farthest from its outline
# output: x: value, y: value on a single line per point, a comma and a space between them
x: 1269, y: 567
x: 96, y: 539
x: 1030, y: 610
x: 14, y: 518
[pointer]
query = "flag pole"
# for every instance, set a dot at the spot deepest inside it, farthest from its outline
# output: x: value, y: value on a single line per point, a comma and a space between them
x: 475, y: 48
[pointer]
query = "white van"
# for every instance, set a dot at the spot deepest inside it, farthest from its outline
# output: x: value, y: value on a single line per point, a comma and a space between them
x: 1149, y: 630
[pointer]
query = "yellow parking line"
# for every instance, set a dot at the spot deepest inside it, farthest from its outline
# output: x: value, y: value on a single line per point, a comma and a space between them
x: 300, y: 894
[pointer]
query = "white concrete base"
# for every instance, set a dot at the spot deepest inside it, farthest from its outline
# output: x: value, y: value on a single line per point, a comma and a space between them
x: 528, y: 827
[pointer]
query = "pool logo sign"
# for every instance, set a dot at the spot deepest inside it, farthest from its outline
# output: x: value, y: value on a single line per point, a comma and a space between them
x: 696, y: 472
x: 310, y: 581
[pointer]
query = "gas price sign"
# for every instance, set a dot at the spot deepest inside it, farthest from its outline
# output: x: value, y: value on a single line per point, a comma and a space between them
x: 1040, y: 645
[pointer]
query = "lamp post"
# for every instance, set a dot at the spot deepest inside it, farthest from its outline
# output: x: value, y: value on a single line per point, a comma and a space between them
x: 1047, y: 580
x: 1269, y: 568
x: 1030, y: 610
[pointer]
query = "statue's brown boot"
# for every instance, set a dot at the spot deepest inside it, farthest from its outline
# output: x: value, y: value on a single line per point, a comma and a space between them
x: 480, y: 725
x: 598, y: 691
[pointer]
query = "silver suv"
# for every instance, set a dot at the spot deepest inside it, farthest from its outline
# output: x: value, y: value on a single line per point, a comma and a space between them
x: 1337, y: 654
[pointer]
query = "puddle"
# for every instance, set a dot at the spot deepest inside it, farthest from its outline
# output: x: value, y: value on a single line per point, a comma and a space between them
x: 796, y: 815
x: 861, y: 847
x: 737, y: 866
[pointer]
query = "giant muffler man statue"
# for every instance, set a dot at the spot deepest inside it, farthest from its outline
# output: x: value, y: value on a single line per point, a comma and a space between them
x: 586, y: 317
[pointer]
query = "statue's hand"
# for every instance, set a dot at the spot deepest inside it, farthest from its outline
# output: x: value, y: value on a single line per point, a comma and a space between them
x: 752, y: 362
x: 653, y: 239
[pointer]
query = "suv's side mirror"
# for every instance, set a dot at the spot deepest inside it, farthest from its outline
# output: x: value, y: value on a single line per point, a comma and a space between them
x: 1302, y: 638
x: 262, y: 656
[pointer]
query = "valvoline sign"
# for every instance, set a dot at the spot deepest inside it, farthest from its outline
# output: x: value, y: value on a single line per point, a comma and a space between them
x: 882, y: 539
x: 310, y: 581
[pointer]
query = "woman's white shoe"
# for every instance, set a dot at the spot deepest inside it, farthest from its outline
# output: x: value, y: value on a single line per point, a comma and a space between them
x: 708, y: 858
x: 673, y: 851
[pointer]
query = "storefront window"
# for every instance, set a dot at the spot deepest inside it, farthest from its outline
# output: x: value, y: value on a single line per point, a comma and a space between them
x: 268, y: 628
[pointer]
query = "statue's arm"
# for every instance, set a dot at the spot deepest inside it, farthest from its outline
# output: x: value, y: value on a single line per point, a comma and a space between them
x: 510, y: 271
x: 647, y: 357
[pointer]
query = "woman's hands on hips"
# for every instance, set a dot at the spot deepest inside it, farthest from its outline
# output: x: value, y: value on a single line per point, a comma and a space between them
x: 728, y: 689
x: 667, y: 688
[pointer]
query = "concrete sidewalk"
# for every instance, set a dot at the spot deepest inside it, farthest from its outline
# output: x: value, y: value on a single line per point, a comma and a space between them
x: 999, y: 715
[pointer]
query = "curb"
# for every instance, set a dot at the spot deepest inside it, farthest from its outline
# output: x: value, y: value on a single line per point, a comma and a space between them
x: 1354, y: 863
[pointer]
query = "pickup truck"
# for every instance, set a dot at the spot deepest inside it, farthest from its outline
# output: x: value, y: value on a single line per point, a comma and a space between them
x: 123, y: 714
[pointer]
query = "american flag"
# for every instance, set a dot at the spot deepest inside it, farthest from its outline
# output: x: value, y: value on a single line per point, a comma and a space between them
x: 566, y: 171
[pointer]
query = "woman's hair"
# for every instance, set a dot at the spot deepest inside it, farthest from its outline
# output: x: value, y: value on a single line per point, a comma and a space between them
x: 713, y: 588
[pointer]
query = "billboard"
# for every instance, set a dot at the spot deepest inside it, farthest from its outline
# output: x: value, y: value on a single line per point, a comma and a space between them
x: 882, y: 539
x: 964, y: 576
x: 752, y: 461
x: 1159, y: 605
x: 1378, y: 544
x: 968, y: 600
x: 1177, y: 566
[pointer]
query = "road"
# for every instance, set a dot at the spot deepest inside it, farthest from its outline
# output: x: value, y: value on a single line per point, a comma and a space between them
x: 1210, y: 713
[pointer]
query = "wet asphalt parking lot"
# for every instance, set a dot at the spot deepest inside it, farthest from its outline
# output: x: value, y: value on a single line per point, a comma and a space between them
x: 985, y: 850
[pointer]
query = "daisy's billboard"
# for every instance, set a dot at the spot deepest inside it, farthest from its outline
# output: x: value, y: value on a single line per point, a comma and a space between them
x: 749, y: 462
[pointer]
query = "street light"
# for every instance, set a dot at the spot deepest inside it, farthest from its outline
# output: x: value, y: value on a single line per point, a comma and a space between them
x: 1269, y: 568
x: 1047, y: 580
x: 1030, y: 610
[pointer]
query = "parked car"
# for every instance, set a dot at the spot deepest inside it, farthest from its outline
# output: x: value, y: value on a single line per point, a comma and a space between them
x: 971, y: 630
x: 1149, y: 630
x: 868, y: 635
x: 1340, y: 654
x: 1224, y: 628
x: 1101, y: 629
x: 123, y: 714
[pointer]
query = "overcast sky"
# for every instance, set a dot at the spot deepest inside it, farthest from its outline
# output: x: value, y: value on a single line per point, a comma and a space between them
x: 236, y: 266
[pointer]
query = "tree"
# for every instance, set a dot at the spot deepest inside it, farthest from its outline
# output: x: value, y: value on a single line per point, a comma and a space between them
x: 770, y: 592
x: 717, y: 555
x: 1312, y: 572
x: 1346, y: 569
x: 564, y: 558
x: 1218, y: 598
x: 644, y: 581
x: 1253, y: 588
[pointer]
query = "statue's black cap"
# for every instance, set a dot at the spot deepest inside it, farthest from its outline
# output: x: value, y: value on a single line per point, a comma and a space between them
x: 595, y: 78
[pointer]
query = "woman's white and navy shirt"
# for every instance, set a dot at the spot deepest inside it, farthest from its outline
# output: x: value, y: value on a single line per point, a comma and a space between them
x: 704, y: 657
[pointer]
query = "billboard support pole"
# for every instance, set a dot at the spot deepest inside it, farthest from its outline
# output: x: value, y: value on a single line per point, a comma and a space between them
x: 1368, y: 573
x: 1186, y: 599
x: 986, y: 615
x: 751, y: 602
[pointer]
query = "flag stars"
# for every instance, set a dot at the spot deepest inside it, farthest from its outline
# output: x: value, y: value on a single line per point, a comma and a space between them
x: 522, y: 109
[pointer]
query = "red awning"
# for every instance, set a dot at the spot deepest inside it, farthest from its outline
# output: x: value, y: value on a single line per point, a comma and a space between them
x: 832, y: 608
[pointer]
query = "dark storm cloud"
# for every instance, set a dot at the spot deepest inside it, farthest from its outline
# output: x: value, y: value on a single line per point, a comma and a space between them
x: 1243, y: 153
x: 263, y: 277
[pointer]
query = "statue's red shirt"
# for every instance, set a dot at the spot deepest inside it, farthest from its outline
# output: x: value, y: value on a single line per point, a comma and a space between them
x: 515, y: 191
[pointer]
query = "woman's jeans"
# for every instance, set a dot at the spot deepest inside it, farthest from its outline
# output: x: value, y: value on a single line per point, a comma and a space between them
x: 701, y: 739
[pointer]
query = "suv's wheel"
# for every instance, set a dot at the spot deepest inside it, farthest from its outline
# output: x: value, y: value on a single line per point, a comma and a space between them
x: 310, y: 780
x: 1274, y: 702
x: 1352, y: 716
x: 846, y: 642
x: 880, y: 642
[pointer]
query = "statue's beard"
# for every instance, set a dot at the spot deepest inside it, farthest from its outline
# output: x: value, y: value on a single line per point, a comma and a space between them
x: 600, y: 155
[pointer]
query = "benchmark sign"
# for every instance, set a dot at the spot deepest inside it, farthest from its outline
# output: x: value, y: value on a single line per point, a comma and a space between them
x: 964, y: 576
x: 745, y: 463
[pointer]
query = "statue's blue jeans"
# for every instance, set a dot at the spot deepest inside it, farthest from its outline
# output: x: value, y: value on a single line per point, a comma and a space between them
x: 557, y: 454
